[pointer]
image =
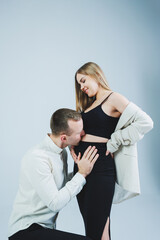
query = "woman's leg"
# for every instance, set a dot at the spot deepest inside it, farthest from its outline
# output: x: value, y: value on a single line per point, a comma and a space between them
x: 106, y: 232
x: 95, y: 202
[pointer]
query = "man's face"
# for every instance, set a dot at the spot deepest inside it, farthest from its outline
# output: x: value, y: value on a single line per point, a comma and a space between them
x: 77, y: 132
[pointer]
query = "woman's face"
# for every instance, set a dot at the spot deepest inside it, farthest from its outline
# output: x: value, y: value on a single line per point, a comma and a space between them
x: 88, y: 84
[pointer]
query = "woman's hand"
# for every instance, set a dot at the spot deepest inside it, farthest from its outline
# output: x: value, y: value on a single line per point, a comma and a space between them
x: 74, y: 156
x: 108, y: 152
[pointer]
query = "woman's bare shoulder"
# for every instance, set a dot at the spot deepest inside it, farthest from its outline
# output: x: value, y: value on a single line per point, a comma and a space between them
x: 119, y: 101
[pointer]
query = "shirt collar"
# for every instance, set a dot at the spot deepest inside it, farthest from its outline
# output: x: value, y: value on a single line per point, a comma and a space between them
x: 52, y: 146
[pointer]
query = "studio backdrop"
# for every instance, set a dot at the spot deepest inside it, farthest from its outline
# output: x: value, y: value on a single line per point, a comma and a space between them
x: 42, y: 44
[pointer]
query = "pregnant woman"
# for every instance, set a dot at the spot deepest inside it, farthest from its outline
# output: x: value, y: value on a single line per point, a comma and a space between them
x: 111, y: 122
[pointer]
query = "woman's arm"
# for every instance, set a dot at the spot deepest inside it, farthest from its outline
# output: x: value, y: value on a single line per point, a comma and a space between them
x: 140, y: 124
x: 119, y: 102
x: 115, y: 104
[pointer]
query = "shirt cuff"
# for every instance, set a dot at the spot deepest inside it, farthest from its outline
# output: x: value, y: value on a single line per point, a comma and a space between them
x: 79, y: 178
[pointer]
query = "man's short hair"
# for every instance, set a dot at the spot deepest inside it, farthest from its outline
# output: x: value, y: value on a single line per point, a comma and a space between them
x: 59, y: 121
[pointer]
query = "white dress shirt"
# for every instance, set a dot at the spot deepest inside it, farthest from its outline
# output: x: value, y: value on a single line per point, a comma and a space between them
x: 43, y: 187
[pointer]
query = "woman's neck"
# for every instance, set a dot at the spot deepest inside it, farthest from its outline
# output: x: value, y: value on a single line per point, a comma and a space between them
x: 100, y: 94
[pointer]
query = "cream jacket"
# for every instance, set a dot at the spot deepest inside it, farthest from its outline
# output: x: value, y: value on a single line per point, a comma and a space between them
x: 131, y: 127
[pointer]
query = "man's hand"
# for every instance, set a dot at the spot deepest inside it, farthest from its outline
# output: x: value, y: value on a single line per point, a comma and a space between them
x: 86, y: 163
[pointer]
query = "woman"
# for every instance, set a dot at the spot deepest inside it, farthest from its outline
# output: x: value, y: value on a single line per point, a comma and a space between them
x: 113, y: 125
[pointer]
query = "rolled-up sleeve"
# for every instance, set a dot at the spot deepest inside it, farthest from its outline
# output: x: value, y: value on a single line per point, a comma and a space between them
x: 140, y: 125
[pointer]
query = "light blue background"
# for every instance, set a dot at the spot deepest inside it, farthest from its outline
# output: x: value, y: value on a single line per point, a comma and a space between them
x: 42, y: 44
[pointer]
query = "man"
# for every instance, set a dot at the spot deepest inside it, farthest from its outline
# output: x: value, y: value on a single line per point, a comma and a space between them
x: 43, y: 188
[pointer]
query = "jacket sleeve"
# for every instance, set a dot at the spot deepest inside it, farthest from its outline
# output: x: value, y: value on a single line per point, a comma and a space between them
x: 140, y: 124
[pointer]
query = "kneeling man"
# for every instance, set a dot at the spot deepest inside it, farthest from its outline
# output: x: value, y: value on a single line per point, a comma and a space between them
x: 44, y: 188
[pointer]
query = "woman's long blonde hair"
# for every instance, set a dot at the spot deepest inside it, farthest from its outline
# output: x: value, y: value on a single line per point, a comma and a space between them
x: 93, y: 70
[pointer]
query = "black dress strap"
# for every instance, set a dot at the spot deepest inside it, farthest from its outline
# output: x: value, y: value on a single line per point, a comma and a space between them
x: 106, y: 98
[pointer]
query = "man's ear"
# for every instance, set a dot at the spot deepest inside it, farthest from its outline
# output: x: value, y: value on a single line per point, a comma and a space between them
x: 63, y: 138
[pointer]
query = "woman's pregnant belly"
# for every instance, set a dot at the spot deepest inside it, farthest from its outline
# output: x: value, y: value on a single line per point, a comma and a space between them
x: 104, y: 165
